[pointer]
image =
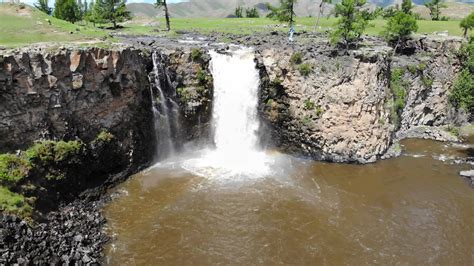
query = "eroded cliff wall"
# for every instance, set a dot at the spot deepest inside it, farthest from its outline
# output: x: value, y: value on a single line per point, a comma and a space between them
x: 352, y: 107
x: 69, y: 94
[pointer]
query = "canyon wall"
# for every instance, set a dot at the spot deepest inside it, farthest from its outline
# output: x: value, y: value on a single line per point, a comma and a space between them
x: 69, y: 94
x: 353, y: 107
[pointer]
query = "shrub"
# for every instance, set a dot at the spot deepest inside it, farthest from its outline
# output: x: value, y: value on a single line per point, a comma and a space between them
x: 14, y: 203
x: 462, y: 93
x: 398, y: 87
x: 412, y: 69
x: 65, y: 150
x: 13, y: 168
x: 41, y: 152
x: 308, y: 104
x: 201, y: 77
x: 296, y: 58
x: 421, y: 67
x: 305, y: 69
x: 427, y: 82
x: 104, y: 136
x: 48, y: 151
x: 196, y: 54
x: 319, y: 111
x: 453, y: 130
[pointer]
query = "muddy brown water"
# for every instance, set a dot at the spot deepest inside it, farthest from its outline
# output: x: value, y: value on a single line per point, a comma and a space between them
x: 414, y: 209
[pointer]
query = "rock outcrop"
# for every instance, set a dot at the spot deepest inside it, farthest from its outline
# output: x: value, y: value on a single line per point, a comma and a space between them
x: 344, y: 108
x: 74, y: 93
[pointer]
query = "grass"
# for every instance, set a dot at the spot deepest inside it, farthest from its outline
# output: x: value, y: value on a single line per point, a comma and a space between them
x: 11, y: 202
x: 250, y: 25
x: 25, y: 26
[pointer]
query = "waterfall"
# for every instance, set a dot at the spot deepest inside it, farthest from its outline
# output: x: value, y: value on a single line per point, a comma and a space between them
x: 165, y: 110
x: 235, y: 120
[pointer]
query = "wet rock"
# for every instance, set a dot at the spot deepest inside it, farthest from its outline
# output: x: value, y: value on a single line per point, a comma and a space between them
x: 469, y: 173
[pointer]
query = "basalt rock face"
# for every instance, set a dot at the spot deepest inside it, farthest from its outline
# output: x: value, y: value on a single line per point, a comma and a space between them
x: 342, y: 108
x: 190, y: 84
x: 337, y: 112
x: 74, y: 93
x: 429, y: 71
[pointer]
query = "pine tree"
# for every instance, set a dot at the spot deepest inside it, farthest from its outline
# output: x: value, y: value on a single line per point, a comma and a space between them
x: 162, y: 3
x: 251, y: 13
x: 284, y: 13
x: 113, y: 11
x: 238, y: 12
x: 407, y: 5
x: 351, y: 23
x: 435, y: 8
x: 43, y: 6
x: 67, y: 10
x: 467, y: 24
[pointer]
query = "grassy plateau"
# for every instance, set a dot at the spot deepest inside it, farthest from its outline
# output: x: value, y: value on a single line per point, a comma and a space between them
x: 23, y: 25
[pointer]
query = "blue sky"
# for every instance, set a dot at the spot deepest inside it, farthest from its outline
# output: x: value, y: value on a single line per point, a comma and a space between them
x: 51, y: 2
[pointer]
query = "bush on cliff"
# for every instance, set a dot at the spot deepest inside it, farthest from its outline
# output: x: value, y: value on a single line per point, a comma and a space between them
x: 462, y: 93
x: 13, y: 168
x: 51, y: 171
x: 398, y: 87
x: 14, y: 203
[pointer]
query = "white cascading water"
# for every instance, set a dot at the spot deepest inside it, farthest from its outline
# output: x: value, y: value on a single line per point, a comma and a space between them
x: 235, y: 120
x: 161, y: 112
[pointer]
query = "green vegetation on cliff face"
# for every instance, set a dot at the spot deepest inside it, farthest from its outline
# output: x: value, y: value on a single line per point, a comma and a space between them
x: 44, y: 165
x: 462, y: 93
x: 398, y: 86
x: 11, y: 202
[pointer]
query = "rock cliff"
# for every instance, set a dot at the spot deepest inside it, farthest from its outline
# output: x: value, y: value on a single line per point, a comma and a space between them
x: 353, y: 107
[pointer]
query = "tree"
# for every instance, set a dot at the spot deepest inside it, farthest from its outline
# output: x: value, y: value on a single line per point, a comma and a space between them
x: 252, y: 12
x: 462, y: 92
x: 238, y: 12
x: 351, y: 23
x: 162, y: 3
x: 399, y: 27
x: 66, y: 10
x: 321, y: 11
x: 407, y: 5
x: 43, y: 6
x: 113, y: 11
x: 435, y: 8
x: 91, y: 14
x: 284, y: 13
x: 467, y: 23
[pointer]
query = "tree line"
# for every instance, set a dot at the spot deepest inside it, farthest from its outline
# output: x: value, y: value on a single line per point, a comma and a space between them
x: 98, y: 11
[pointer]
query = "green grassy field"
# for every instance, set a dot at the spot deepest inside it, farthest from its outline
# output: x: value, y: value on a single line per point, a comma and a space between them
x: 249, y: 25
x: 23, y: 26
x: 27, y: 26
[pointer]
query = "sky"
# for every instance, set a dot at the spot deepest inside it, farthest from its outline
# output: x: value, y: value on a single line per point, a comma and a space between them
x: 51, y: 2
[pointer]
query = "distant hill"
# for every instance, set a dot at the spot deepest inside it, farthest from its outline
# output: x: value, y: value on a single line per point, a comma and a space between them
x: 225, y: 8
